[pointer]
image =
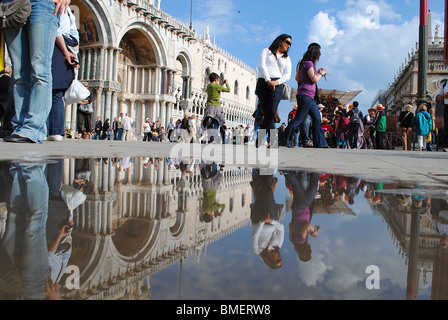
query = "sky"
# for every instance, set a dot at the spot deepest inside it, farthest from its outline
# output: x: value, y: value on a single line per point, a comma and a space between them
x: 364, y: 42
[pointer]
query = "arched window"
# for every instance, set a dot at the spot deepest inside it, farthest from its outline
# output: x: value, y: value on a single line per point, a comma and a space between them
x: 236, y: 87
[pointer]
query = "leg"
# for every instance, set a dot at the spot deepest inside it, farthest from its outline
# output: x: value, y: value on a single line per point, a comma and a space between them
x: 31, y: 50
x: 56, y: 118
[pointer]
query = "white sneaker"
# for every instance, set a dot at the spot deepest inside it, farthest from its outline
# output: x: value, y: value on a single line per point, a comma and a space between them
x: 54, y: 138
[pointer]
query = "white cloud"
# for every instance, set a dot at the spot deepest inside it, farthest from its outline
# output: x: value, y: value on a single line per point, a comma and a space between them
x: 323, y: 29
x: 313, y: 271
x: 360, y: 50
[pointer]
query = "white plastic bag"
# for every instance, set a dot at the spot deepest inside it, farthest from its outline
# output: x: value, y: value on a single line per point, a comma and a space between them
x: 76, y: 92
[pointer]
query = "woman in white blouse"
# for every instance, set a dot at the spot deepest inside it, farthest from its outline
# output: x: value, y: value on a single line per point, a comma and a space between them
x: 274, y: 67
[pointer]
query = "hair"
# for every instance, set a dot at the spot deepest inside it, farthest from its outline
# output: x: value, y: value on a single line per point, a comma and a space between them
x: 276, y: 44
x: 408, y: 107
x: 312, y: 54
x: 213, y: 76
x: 355, y: 104
x: 314, y: 44
x: 422, y: 107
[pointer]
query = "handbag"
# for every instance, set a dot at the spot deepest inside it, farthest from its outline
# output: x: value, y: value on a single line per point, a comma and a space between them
x: 76, y: 92
x: 14, y: 14
x: 286, y: 92
x: 286, y: 89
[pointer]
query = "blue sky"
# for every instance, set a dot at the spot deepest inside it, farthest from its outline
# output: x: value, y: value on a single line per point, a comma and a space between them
x: 364, y: 42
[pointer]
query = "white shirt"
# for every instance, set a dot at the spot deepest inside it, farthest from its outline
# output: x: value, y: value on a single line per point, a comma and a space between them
x: 268, y: 67
x: 126, y: 123
x: 146, y: 127
x: 67, y: 26
x: 267, y: 235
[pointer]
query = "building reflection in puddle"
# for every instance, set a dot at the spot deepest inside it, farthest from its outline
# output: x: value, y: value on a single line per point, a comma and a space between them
x: 114, y: 227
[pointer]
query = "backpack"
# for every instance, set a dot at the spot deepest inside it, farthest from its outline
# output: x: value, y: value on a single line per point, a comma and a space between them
x: 344, y: 123
x: 354, y: 118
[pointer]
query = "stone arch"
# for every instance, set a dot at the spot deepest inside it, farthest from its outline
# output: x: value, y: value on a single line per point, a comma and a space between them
x: 182, y: 76
x: 140, y: 31
x: 94, y: 25
x: 135, y: 238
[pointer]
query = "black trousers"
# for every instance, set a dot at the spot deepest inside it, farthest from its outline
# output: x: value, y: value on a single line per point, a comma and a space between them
x: 269, y: 101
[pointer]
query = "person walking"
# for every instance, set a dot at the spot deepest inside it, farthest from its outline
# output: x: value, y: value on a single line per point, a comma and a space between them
x: 31, y: 49
x: 274, y: 65
x: 423, y: 126
x: 98, y: 128
x: 126, y: 123
x: 171, y: 127
x: 380, y: 125
x: 147, y: 130
x: 120, y: 127
x: 355, y: 126
x: 406, y: 120
x: 433, y: 134
x: 213, y: 115
x: 308, y: 77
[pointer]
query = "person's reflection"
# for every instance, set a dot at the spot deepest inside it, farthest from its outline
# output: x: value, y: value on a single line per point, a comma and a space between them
x: 63, y: 199
x: 267, y: 229
x: 82, y: 175
x: 25, y: 239
x: 304, y: 187
x: 211, y: 178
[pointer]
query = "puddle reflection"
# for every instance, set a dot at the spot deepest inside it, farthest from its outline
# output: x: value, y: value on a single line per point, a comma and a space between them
x: 164, y: 229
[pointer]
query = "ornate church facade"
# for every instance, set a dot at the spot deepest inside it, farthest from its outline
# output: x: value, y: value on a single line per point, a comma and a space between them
x: 137, y: 59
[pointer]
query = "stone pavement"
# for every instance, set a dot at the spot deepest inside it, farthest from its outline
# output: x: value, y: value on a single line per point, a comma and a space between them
x: 428, y: 168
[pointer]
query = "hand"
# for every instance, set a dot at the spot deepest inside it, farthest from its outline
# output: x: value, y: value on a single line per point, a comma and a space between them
x: 61, y: 6
x: 272, y: 84
x: 52, y: 290
x: 322, y: 71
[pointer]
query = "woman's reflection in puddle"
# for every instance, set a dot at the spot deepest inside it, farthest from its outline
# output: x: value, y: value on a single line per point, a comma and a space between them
x: 303, y: 187
x: 266, y: 215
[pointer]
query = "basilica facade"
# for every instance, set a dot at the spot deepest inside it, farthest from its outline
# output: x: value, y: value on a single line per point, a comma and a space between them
x: 137, y: 59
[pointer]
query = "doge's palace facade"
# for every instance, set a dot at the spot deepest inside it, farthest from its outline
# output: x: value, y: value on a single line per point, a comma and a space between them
x: 139, y: 60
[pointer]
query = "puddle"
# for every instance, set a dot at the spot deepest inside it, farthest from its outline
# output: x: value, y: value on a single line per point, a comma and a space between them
x: 169, y: 229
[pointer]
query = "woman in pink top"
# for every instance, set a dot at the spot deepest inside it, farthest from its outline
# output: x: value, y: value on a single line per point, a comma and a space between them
x: 305, y: 99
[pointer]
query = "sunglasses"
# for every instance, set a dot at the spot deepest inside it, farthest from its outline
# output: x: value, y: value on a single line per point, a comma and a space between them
x: 288, y: 42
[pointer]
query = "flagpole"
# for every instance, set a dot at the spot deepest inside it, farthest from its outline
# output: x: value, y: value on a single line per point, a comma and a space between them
x: 191, y: 15
x: 423, y: 53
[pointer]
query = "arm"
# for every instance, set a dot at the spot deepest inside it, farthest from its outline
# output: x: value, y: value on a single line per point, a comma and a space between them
x: 262, y: 67
x: 225, y: 86
x: 286, y: 72
x: 315, y: 78
x: 67, y: 54
x: 61, y: 6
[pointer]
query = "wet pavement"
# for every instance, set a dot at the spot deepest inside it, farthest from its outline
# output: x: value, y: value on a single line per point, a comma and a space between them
x: 154, y: 221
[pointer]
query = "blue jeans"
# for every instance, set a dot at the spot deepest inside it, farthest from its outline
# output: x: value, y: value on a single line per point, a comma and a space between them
x: 25, y: 237
x: 31, y: 50
x: 120, y: 134
x: 305, y: 130
x: 308, y: 106
x: 56, y: 118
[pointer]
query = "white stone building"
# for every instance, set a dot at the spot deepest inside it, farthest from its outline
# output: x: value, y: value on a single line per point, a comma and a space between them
x: 139, y: 60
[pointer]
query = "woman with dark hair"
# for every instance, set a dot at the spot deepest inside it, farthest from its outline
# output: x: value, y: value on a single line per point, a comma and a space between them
x: 275, y: 70
x: 308, y: 77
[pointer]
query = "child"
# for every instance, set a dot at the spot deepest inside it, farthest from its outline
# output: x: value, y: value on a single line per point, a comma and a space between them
x: 423, y: 126
x: 213, y: 116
